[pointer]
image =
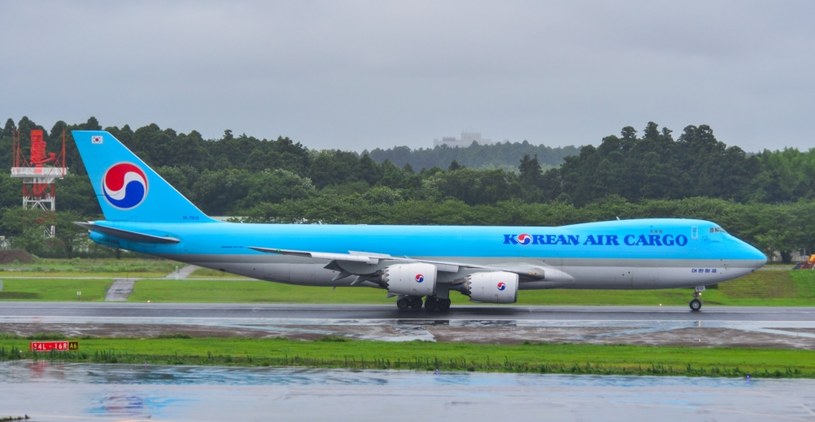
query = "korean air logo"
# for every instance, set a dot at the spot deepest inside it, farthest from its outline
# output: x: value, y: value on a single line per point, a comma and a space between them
x: 124, y: 186
x: 502, y: 286
x: 419, y: 278
x: 524, y: 239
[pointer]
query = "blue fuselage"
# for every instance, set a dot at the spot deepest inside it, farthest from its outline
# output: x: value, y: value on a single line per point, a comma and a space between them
x: 646, y: 253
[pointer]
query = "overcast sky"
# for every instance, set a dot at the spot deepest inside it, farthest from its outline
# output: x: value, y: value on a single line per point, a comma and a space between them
x: 364, y: 74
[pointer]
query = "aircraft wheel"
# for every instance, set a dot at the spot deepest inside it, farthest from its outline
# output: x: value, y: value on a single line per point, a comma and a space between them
x: 403, y: 303
x: 431, y: 304
x: 444, y: 305
x: 415, y: 302
x: 695, y: 305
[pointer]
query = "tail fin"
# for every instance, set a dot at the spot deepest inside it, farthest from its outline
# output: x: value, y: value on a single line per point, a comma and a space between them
x: 128, y: 189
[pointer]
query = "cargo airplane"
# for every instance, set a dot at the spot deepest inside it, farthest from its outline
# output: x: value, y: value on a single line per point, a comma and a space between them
x: 419, y: 265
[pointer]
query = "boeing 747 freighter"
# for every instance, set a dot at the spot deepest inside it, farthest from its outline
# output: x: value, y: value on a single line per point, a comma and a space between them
x: 420, y: 265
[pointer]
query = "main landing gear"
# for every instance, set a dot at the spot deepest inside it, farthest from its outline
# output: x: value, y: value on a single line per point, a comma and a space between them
x: 696, y: 303
x: 409, y: 302
x: 431, y: 303
x: 436, y: 304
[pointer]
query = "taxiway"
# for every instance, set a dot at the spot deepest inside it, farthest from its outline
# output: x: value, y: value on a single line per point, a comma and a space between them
x: 715, y: 326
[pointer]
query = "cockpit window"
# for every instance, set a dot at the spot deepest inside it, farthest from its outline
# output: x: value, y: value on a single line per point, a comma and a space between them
x: 716, y: 230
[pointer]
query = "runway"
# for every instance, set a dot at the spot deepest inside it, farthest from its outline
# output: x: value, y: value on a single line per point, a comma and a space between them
x: 714, y: 326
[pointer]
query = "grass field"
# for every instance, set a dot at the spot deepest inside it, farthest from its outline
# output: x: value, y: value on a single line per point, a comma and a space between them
x: 336, y: 352
x: 131, y: 267
x: 60, y: 280
x: 55, y: 289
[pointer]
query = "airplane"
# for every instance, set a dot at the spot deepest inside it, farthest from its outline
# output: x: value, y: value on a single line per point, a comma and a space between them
x: 419, y: 265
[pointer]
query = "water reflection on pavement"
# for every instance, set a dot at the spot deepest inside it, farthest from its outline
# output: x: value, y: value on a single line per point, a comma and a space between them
x: 49, y: 391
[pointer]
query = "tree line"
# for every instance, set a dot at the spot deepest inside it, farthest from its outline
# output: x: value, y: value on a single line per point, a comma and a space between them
x: 761, y: 197
x: 503, y: 155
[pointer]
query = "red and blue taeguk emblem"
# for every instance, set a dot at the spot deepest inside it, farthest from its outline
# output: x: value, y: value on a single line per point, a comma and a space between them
x: 419, y: 278
x: 124, y: 185
x: 502, y: 286
x: 524, y: 239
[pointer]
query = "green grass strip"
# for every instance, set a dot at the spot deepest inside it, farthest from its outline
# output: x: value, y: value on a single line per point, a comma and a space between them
x: 57, y: 283
x: 55, y: 289
x: 356, y: 354
x: 92, y: 266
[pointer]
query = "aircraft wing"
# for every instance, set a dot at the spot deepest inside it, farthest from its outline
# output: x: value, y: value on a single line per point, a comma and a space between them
x: 345, y: 262
x: 349, y: 257
x: 357, y: 257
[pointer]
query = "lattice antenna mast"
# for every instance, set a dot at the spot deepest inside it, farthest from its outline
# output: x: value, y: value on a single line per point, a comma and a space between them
x: 39, y: 172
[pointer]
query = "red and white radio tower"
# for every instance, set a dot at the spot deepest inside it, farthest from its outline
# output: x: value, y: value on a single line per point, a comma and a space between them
x: 38, y: 172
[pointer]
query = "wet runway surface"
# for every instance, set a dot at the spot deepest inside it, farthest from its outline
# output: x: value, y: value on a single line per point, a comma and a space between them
x: 59, y: 392
x: 284, y: 311
x: 714, y: 326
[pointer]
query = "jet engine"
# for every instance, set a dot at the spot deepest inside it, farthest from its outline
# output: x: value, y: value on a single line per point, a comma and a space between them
x: 415, y: 279
x: 492, y: 287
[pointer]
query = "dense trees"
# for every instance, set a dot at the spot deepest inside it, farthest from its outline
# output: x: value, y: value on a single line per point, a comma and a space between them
x: 501, y: 155
x: 657, y: 167
x: 766, y: 198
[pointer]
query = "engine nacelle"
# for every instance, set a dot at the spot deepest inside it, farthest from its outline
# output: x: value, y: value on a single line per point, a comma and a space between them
x: 492, y: 287
x: 416, y: 279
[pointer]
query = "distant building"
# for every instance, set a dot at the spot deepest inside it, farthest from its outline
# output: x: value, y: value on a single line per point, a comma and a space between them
x: 467, y: 139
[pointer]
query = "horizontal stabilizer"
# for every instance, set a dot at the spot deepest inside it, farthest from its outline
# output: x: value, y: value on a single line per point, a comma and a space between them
x: 127, y: 234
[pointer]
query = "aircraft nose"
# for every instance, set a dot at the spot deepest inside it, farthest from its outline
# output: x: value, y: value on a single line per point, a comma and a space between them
x: 754, y: 257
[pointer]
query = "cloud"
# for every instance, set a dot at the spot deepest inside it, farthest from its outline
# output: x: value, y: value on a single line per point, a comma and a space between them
x: 362, y: 74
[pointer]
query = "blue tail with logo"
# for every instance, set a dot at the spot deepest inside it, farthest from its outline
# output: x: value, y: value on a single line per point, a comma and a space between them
x: 128, y: 189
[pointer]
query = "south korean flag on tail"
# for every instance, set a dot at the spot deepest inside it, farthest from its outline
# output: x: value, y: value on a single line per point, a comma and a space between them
x: 96, y: 139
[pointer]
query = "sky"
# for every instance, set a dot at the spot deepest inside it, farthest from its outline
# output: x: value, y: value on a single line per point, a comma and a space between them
x: 358, y: 74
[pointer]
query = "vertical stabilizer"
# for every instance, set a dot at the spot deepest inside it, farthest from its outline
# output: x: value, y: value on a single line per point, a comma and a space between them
x: 128, y: 189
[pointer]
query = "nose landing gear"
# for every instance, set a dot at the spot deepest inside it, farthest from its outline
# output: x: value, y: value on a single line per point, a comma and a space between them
x: 696, y: 303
